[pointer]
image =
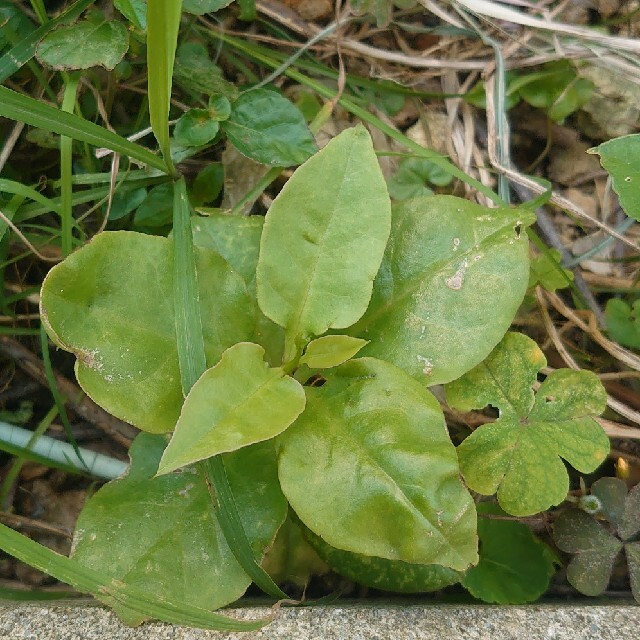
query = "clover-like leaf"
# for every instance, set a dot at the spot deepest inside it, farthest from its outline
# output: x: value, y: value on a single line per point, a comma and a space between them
x: 379, y: 573
x: 370, y: 468
x: 330, y: 351
x: 238, y: 402
x: 451, y: 280
x: 268, y: 128
x: 519, y: 455
x: 111, y: 304
x: 595, y: 547
x: 621, y: 158
x: 335, y: 215
x: 161, y: 533
x: 623, y: 322
x: 515, y: 566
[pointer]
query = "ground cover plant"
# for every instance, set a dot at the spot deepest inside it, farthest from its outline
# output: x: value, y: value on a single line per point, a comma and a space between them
x: 325, y: 345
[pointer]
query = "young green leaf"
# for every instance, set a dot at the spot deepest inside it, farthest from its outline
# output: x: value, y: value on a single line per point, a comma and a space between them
x: 546, y: 271
x: 621, y: 158
x: 168, y: 539
x: 335, y: 214
x: 623, y: 322
x: 452, y: 278
x: 379, y: 573
x: 195, y: 71
x: 195, y: 128
x: 519, y: 455
x: 200, y: 7
x: 266, y: 127
x: 238, y: 402
x: 412, y: 177
x: 85, y: 44
x: 207, y: 185
x: 330, y: 351
x: 111, y: 303
x: 515, y: 566
x: 135, y: 11
x: 369, y: 467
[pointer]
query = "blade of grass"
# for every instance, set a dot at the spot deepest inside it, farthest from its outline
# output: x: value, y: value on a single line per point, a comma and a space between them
x: 88, y: 580
x: 163, y: 23
x: 193, y: 364
x: 35, y: 595
x: 21, y: 108
x: 17, y: 188
x: 66, y: 166
x: 22, y: 52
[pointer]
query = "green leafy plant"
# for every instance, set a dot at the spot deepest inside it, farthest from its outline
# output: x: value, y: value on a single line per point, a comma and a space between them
x: 279, y: 366
x: 596, y: 543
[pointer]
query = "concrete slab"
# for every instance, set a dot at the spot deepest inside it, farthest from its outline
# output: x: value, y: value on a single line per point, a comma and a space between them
x: 344, y: 622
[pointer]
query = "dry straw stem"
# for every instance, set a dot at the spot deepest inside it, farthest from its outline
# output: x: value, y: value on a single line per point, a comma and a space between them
x: 613, y: 403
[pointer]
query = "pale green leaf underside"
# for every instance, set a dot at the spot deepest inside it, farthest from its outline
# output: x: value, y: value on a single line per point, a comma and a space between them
x: 452, y: 278
x: 167, y: 537
x: 369, y: 467
x: 111, y: 303
x: 323, y: 239
x: 84, y: 45
x: 519, y: 455
x: 621, y: 158
x: 330, y: 351
x: 238, y: 402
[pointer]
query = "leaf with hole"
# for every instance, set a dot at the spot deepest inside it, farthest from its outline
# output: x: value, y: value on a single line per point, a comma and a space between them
x: 451, y: 281
x: 166, y: 534
x: 369, y: 468
x: 515, y: 566
x: 111, y: 304
x: 268, y: 128
x: 322, y: 276
x: 238, y: 402
x: 85, y: 44
x: 519, y: 455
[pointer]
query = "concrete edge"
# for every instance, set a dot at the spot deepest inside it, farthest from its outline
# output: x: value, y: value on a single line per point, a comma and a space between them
x: 342, y: 622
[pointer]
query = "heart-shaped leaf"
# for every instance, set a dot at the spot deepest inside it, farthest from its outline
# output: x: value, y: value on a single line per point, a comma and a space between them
x: 330, y: 351
x: 162, y: 535
x: 238, y: 402
x: 111, y: 304
x: 335, y: 214
x: 515, y: 566
x: 520, y: 454
x: 195, y: 128
x: 450, y: 283
x: 369, y: 467
x: 267, y: 128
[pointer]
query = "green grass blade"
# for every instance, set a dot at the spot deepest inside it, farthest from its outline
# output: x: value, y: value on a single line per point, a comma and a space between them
x: 191, y: 353
x: 88, y: 580
x: 163, y: 23
x: 19, y: 189
x: 193, y: 364
x: 21, y: 108
x: 35, y: 595
x: 19, y: 55
x: 66, y: 167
